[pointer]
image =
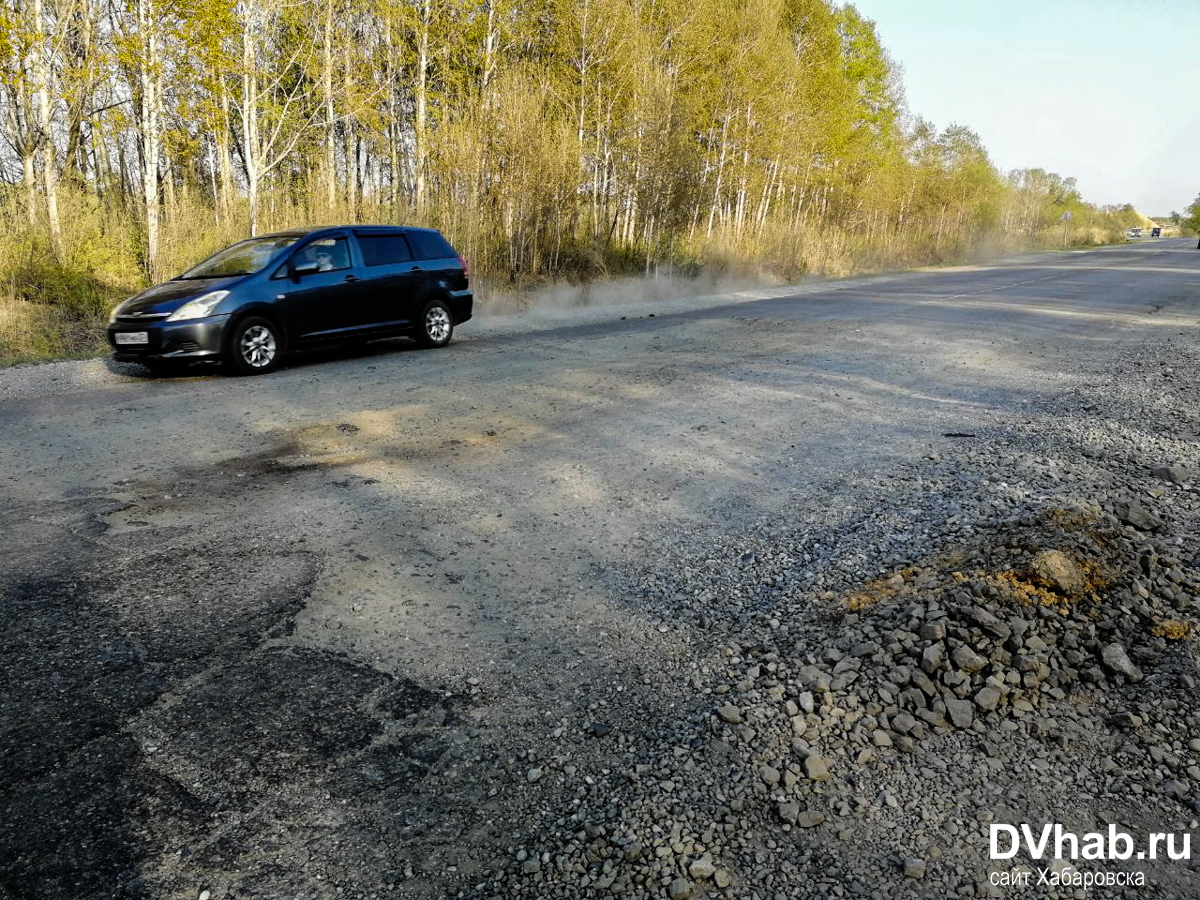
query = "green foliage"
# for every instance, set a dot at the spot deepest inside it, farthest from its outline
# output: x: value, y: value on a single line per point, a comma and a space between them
x: 1192, y: 220
x: 551, y: 139
x: 50, y: 308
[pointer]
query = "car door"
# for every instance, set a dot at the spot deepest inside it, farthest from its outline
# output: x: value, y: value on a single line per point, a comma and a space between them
x: 440, y: 266
x: 391, y: 275
x: 320, y: 291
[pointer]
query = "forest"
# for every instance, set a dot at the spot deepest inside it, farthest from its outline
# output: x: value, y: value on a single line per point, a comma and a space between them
x: 551, y: 140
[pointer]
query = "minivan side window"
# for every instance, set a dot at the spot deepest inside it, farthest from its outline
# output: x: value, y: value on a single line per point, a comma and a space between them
x: 330, y: 254
x: 384, y: 249
x: 430, y: 245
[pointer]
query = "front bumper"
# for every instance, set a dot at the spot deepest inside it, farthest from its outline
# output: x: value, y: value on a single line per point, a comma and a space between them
x: 190, y: 339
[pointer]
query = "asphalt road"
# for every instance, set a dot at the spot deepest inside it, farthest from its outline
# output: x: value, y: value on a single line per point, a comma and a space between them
x: 290, y: 633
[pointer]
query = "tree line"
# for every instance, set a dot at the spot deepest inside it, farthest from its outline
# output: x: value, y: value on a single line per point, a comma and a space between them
x: 547, y: 138
x: 1191, y: 221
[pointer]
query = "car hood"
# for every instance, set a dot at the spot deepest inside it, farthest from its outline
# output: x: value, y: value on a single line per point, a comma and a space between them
x: 168, y: 297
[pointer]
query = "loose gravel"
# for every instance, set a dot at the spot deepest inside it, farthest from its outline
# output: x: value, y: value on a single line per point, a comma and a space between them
x: 1004, y: 632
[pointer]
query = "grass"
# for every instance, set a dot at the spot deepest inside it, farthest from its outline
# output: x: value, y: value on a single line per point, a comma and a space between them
x: 51, y: 309
x: 33, y: 332
x: 1172, y: 630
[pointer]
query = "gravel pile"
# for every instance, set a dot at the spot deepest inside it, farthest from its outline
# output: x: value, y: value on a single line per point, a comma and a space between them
x: 1002, y: 634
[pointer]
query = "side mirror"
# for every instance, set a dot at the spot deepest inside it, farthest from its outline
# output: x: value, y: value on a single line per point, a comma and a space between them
x: 299, y: 270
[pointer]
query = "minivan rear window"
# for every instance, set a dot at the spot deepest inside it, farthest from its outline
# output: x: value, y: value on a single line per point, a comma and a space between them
x: 430, y: 245
x: 384, y: 249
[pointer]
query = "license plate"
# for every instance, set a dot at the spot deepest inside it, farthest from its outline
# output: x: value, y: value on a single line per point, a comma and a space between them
x: 132, y: 337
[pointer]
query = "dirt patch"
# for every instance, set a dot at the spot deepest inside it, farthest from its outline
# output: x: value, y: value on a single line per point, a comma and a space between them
x: 1060, y: 558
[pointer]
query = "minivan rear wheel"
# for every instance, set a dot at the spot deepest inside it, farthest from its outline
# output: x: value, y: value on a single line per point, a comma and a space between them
x: 255, y: 346
x: 437, y: 325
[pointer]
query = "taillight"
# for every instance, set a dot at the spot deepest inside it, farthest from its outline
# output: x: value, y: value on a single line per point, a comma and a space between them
x: 466, y: 272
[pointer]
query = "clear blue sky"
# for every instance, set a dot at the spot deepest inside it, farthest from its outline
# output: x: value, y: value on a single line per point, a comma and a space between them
x: 1105, y: 90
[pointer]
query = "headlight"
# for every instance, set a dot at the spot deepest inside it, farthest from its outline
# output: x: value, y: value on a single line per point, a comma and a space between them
x: 112, y: 317
x: 198, y: 308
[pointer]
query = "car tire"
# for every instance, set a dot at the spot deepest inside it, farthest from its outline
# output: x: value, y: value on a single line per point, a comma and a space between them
x: 255, y: 346
x: 437, y: 325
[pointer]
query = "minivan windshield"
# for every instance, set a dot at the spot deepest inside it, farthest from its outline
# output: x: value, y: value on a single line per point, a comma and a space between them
x: 245, y: 258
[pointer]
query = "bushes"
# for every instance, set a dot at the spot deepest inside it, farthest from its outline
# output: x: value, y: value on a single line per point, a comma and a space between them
x: 50, y: 309
x: 57, y: 306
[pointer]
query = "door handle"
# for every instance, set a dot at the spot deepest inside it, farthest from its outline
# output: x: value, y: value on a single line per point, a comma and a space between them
x: 416, y: 269
x: 352, y: 278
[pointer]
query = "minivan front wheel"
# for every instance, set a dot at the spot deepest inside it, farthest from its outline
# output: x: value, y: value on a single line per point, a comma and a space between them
x: 255, y: 346
x: 437, y: 325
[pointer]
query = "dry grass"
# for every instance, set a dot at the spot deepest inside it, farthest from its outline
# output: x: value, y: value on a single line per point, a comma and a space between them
x: 1172, y: 630
x: 1019, y: 587
x: 874, y: 592
x: 39, y: 331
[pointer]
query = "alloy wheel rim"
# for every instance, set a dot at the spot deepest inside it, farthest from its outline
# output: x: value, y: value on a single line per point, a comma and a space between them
x: 437, y: 324
x: 258, y: 346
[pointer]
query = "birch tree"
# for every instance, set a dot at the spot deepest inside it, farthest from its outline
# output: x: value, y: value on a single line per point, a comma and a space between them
x: 18, y: 37
x: 271, y: 102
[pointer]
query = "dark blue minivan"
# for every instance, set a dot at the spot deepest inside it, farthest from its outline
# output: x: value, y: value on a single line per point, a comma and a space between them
x: 251, y: 303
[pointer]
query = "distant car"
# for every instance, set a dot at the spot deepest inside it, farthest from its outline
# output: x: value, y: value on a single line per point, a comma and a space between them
x: 1133, y: 233
x: 253, y: 302
x: 1155, y: 232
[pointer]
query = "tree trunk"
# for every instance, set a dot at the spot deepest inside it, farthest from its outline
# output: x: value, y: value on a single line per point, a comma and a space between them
x: 250, y: 148
x: 221, y: 134
x: 330, y: 175
x: 149, y: 126
x: 360, y: 175
x: 583, y: 66
x: 49, y: 170
x: 393, y: 124
x: 764, y: 203
x: 596, y: 171
x: 349, y: 136
x: 101, y: 164
x: 79, y: 40
x: 489, y: 51
x: 216, y: 191
x: 168, y: 183
x: 740, y: 209
x: 30, y: 181
x: 712, y: 211
x: 421, y: 100
x: 124, y: 177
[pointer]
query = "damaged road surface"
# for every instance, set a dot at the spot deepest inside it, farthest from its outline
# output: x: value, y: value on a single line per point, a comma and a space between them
x: 789, y: 593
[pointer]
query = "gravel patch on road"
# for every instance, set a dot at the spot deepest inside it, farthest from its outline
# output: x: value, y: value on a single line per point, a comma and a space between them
x: 1001, y: 633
